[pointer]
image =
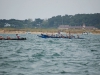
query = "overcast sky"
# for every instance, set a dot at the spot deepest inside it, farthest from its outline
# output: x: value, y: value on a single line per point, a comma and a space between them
x: 44, y: 9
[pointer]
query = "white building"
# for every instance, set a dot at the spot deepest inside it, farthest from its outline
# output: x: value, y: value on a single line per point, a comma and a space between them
x: 7, y: 25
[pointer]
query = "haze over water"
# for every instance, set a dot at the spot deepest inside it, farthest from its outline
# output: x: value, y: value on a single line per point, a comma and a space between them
x: 52, y: 56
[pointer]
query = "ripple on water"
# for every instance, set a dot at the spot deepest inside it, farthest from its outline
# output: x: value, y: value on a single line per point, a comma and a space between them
x: 38, y: 56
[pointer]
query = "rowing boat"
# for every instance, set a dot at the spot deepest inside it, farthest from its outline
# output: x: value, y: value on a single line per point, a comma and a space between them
x: 13, y: 39
x: 47, y: 36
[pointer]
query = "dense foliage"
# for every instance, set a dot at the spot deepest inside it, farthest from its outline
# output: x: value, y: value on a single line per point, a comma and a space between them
x: 55, y: 21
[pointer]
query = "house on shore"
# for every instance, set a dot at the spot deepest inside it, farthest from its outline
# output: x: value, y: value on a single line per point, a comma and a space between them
x: 7, y: 25
x: 75, y: 27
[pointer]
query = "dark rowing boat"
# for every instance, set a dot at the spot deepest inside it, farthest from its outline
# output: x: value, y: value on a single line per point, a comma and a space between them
x: 13, y: 39
x: 47, y: 36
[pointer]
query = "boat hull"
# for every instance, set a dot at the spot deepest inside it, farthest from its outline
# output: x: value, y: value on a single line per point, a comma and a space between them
x: 46, y: 36
x: 14, y: 39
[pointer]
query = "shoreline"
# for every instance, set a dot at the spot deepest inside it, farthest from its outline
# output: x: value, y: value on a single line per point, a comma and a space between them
x: 46, y: 32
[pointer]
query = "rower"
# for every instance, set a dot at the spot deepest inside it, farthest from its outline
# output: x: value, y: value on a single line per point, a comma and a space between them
x: 1, y: 37
x: 77, y: 36
x: 17, y: 36
x: 8, y: 37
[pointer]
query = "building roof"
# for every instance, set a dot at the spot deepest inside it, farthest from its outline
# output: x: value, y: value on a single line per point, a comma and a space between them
x: 75, y: 27
x: 63, y: 26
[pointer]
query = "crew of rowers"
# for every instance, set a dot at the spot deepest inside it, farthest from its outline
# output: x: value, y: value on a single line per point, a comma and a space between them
x: 62, y: 36
x: 8, y: 37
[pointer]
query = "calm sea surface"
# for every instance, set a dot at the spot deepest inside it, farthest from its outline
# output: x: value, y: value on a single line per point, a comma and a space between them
x: 39, y: 56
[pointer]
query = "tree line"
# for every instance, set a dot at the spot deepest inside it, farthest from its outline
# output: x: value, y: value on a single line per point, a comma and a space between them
x: 55, y: 21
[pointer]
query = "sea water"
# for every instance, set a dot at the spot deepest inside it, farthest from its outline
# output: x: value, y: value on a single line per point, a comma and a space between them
x: 51, y: 56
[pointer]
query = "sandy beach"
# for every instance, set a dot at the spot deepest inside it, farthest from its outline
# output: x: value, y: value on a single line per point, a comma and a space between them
x: 48, y: 32
x: 17, y: 32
